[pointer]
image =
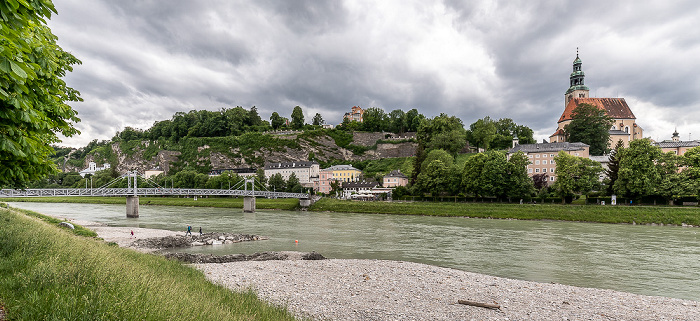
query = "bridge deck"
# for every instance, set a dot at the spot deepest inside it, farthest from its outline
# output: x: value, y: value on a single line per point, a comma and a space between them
x: 38, y: 192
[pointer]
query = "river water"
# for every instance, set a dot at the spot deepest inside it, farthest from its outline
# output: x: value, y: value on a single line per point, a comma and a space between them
x: 649, y: 260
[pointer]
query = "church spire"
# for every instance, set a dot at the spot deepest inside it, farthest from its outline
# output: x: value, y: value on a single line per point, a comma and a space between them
x: 576, y: 87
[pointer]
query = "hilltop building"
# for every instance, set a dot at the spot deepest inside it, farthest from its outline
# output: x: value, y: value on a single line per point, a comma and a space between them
x: 92, y: 169
x: 355, y: 114
x: 624, y: 126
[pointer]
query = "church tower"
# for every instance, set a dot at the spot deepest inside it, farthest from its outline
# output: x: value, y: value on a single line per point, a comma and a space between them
x: 576, y: 87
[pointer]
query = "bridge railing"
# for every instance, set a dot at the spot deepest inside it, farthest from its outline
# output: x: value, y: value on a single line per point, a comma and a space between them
x: 39, y: 192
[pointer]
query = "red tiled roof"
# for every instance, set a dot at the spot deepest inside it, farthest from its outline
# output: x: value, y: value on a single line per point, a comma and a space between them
x: 559, y: 132
x: 615, y: 107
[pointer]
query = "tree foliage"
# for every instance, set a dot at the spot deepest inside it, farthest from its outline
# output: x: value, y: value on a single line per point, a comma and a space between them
x: 589, y: 125
x: 482, y: 132
x: 317, y: 120
x: 494, y: 174
x: 297, y: 118
x: 575, y: 175
x: 638, y: 174
x: 34, y: 105
x: 506, y: 130
x: 202, y: 123
x: 276, y: 121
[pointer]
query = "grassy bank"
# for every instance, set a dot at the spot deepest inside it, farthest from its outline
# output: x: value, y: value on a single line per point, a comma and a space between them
x: 50, y: 273
x: 589, y: 213
x: 289, y: 204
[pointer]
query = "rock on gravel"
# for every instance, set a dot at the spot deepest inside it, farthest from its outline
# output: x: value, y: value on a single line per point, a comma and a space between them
x: 390, y: 290
x: 264, y: 256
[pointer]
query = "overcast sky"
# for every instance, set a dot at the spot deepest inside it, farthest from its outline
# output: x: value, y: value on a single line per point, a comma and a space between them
x: 143, y: 61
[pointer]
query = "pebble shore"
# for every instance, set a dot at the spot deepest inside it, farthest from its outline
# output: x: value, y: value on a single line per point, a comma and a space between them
x: 391, y: 290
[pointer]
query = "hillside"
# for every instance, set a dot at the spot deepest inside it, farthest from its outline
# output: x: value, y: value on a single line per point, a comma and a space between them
x: 252, y: 149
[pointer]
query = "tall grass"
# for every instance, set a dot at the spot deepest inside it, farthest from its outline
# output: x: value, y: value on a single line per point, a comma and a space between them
x: 47, y: 273
x: 589, y: 213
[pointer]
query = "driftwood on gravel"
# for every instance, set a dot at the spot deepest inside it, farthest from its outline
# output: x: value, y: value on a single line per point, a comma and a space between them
x: 479, y: 304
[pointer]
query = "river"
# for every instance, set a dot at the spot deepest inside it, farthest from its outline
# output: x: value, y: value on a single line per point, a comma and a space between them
x: 649, y: 260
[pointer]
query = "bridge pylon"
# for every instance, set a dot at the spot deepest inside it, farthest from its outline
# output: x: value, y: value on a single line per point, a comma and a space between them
x: 132, y: 201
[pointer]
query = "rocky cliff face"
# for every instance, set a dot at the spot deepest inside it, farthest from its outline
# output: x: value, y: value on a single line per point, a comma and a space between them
x: 321, y: 148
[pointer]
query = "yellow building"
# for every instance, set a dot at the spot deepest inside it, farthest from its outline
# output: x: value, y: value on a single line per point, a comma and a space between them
x: 345, y: 173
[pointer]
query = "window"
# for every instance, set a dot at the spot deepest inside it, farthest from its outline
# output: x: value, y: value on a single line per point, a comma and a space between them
x: 537, y: 156
x: 551, y: 178
x: 537, y: 170
x: 544, y: 162
x: 529, y: 170
x: 544, y: 170
x: 576, y: 154
x: 551, y: 170
x: 537, y: 162
x: 529, y: 156
x: 551, y: 155
x: 545, y: 155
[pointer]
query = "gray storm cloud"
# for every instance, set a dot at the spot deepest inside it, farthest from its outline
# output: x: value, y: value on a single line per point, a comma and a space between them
x: 145, y: 60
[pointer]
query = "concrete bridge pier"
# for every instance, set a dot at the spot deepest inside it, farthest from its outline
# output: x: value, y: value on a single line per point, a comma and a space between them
x: 249, y: 204
x: 132, y: 206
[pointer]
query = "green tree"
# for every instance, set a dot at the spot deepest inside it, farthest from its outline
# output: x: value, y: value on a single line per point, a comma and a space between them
x: 317, y: 120
x: 433, y: 179
x: 293, y: 185
x: 442, y: 132
x: 473, y: 180
x: 482, y: 132
x: 253, y: 117
x: 34, y: 100
x: 277, y: 183
x: 397, y: 121
x: 224, y: 181
x: 413, y: 120
x: 494, y: 174
x: 297, y: 118
x: 613, y: 167
x: 589, y: 125
x: 437, y: 154
x: 506, y: 129
x: 276, y: 121
x: 575, y: 175
x: 638, y: 175
x: 690, y: 174
x: 260, y: 176
x: 374, y: 120
x: 672, y: 181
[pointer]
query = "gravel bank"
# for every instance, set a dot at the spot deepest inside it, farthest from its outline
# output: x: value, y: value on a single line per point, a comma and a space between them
x: 390, y: 290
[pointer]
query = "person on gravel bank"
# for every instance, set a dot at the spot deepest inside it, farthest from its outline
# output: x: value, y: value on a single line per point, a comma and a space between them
x: 189, y: 230
x: 200, y: 231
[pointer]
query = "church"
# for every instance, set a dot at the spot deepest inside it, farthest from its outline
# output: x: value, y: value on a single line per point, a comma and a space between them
x: 624, y: 127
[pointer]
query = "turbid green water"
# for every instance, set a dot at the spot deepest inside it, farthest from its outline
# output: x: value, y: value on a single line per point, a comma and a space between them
x: 650, y: 260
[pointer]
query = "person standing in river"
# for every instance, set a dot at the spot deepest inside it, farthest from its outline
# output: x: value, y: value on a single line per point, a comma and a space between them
x: 200, y: 231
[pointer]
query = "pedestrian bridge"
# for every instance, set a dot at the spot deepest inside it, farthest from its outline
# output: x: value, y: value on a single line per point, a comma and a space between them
x: 132, y: 192
x: 50, y: 192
